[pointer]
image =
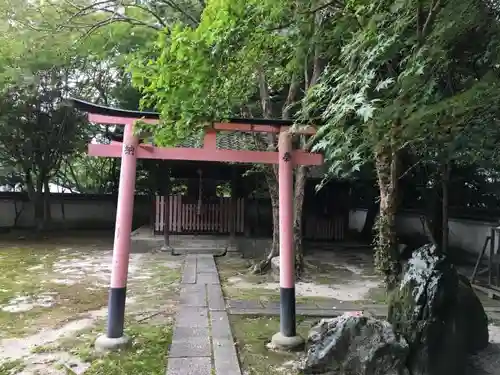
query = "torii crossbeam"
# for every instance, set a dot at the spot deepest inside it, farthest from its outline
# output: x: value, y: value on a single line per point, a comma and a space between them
x: 130, y: 150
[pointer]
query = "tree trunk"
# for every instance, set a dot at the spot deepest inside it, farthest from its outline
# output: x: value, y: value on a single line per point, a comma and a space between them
x: 272, y: 185
x: 38, y: 207
x: 386, y: 250
x: 17, y: 212
x: 300, y: 182
x: 47, y: 212
x: 445, y: 182
x: 436, y: 216
x: 35, y: 197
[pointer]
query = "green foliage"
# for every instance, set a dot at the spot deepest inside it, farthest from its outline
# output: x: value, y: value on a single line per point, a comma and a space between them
x: 417, y: 77
x: 39, y: 133
x: 241, y: 53
x: 439, y: 80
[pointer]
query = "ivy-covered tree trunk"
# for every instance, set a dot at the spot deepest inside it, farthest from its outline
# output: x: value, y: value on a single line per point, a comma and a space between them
x: 386, y: 250
x: 300, y: 182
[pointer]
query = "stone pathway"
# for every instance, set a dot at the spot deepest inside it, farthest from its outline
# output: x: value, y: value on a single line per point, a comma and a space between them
x: 319, y: 309
x: 202, y: 342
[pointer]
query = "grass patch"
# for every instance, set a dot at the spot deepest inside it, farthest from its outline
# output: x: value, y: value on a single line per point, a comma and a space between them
x: 23, y: 269
x: 145, y: 356
x: 24, y: 272
x: 253, y: 333
x: 234, y: 267
x: 250, y: 294
x: 11, y: 367
x: 378, y: 296
x: 311, y: 300
x: 157, y: 292
x: 70, y: 301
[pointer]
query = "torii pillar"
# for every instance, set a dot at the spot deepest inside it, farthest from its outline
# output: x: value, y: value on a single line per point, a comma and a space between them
x: 115, y: 337
x: 286, y: 338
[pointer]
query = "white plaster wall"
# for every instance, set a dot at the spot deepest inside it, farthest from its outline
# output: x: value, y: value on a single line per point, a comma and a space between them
x: 465, y: 234
x: 76, y: 211
x: 100, y: 211
x: 357, y: 219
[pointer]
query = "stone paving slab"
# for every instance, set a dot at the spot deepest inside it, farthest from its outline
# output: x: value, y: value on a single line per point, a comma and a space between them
x: 193, y: 295
x: 206, y: 266
x: 220, y: 325
x: 215, y: 298
x: 191, y: 317
x: 336, y: 304
x: 318, y: 313
x: 189, y: 271
x: 207, y: 278
x: 195, y: 342
x: 243, y: 304
x: 303, y: 306
x: 225, y: 356
x: 190, y: 348
x: 189, y: 366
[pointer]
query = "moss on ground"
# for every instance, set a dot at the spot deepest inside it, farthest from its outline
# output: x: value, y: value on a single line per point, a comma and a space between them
x: 22, y: 270
x: 26, y: 272
x: 70, y: 301
x: 11, y: 367
x: 318, y: 272
x: 250, y: 294
x: 311, y: 300
x: 377, y: 296
x: 253, y: 333
x: 146, y: 355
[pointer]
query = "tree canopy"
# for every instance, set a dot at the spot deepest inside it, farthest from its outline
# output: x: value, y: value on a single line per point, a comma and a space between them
x: 404, y: 93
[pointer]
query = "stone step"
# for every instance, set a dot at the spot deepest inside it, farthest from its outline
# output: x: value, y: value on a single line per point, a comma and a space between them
x: 201, y: 245
x: 191, y: 250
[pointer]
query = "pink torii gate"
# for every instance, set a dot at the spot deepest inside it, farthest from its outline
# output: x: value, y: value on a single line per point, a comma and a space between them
x: 130, y: 149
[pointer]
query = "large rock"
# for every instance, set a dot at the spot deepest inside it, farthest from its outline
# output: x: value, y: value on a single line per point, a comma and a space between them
x: 439, y: 315
x: 355, y: 345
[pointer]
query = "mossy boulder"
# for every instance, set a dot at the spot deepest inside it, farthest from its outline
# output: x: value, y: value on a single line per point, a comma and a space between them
x: 359, y: 345
x: 439, y: 315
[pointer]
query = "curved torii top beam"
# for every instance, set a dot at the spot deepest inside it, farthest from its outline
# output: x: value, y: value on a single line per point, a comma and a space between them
x: 209, y: 152
x: 116, y: 116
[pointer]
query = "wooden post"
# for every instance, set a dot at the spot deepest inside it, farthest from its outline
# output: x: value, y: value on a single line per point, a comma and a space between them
x: 232, y: 206
x: 492, y: 254
x: 166, y: 213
